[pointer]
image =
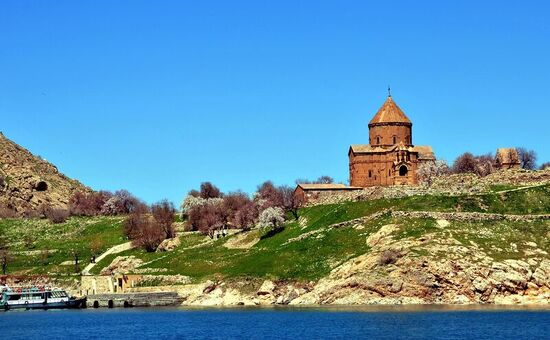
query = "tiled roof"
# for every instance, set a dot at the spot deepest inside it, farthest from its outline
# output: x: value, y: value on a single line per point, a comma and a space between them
x: 425, y: 152
x: 389, y: 113
x: 332, y: 186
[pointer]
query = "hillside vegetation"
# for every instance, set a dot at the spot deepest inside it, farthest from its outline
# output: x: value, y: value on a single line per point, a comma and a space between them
x: 307, y: 249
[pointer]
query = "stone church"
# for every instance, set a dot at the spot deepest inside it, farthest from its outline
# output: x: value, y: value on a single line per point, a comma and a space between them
x: 390, y: 158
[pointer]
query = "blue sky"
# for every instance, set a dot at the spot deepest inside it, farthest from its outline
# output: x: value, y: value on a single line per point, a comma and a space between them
x: 158, y: 96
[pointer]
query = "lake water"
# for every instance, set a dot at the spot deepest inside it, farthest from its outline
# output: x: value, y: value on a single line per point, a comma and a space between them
x: 279, y: 323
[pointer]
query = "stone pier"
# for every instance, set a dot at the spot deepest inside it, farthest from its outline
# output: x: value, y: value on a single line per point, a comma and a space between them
x: 158, y: 299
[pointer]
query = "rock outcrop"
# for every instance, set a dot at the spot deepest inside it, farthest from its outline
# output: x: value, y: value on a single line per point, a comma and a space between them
x: 435, y: 268
x: 27, y: 181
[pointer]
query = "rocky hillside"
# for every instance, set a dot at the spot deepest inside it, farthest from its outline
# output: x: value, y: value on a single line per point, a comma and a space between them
x: 489, y: 247
x: 27, y: 181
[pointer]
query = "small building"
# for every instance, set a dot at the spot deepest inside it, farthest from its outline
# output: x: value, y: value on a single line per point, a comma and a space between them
x: 107, y: 284
x: 310, y: 192
x: 390, y: 158
x: 507, y: 158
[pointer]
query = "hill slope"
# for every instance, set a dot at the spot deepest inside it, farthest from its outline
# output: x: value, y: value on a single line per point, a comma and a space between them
x: 484, y: 248
x: 28, y: 181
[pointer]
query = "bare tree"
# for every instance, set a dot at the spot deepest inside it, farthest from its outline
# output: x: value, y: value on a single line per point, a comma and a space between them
x: 150, y: 235
x: 485, y: 164
x: 324, y: 180
x: 465, y: 163
x: 76, y: 257
x: 134, y: 222
x: 246, y: 216
x: 321, y: 180
x: 235, y: 204
x: 545, y: 166
x: 208, y: 218
x: 88, y: 204
x: 209, y: 190
x: 268, y: 195
x: 291, y: 202
x: 527, y: 158
x: 164, y: 214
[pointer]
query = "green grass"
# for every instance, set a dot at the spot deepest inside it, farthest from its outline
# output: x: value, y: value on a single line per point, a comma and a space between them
x: 309, y: 258
x: 78, y: 233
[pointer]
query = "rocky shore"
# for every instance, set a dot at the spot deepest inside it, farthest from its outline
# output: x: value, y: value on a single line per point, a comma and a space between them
x: 394, y: 272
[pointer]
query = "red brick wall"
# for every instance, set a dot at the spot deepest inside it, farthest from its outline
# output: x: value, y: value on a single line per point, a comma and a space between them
x: 387, y: 132
x: 378, y: 169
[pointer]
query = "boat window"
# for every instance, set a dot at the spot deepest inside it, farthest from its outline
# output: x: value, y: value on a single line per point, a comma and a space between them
x: 14, y: 297
x: 59, y: 294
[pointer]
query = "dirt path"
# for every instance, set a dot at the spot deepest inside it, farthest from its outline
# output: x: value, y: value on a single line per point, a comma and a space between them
x: 113, y: 250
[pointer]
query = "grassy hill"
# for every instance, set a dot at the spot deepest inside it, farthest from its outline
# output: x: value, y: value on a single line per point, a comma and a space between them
x: 307, y: 249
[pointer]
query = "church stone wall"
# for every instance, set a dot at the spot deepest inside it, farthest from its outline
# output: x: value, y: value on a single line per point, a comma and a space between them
x: 387, y: 132
x: 380, y: 169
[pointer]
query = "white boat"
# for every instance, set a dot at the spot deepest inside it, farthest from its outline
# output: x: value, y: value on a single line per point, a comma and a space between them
x: 37, y: 297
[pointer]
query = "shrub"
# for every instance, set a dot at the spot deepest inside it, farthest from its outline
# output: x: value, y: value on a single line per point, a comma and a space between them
x: 57, y: 215
x: 96, y: 245
x: 389, y: 256
x: 7, y: 212
x: 545, y: 166
x: 44, y: 257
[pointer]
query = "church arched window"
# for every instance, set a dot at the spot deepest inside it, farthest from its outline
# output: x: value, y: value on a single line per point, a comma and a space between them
x: 394, y: 140
x: 378, y: 140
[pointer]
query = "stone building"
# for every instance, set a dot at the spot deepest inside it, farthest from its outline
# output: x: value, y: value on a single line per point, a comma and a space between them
x: 390, y: 158
x: 507, y: 158
x: 311, y: 192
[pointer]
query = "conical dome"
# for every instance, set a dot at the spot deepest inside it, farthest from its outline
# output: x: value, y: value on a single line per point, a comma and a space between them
x: 389, y: 113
